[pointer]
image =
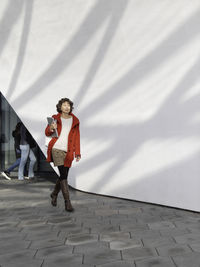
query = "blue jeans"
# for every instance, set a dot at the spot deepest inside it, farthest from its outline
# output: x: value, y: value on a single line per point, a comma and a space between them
x: 26, y: 152
x: 16, y: 164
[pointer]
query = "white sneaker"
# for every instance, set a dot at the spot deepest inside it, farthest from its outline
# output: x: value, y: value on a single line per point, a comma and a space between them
x: 26, y: 177
x: 5, y: 175
x: 20, y: 179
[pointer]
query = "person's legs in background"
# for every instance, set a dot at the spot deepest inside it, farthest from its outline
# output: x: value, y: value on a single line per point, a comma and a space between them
x: 6, y: 173
x: 31, y: 163
x: 14, y: 165
x: 24, y: 155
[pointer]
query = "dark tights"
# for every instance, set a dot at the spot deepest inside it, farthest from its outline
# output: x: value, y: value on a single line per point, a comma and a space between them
x: 63, y: 172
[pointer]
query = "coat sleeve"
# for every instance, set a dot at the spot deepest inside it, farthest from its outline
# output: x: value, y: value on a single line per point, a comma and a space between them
x: 48, y: 132
x: 77, y: 142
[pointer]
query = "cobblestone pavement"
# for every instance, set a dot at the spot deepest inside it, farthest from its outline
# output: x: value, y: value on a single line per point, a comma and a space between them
x: 102, y: 231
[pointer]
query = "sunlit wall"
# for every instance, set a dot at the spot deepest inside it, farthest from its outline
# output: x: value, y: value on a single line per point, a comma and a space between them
x: 131, y: 68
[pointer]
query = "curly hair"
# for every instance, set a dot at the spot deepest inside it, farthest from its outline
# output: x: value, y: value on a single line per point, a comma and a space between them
x: 61, y: 101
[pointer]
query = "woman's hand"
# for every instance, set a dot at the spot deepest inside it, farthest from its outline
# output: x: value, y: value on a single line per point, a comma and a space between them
x: 53, y: 126
x: 78, y: 158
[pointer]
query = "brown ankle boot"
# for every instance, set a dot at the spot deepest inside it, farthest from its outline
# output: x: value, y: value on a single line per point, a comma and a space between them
x: 68, y: 205
x: 65, y: 192
x: 54, y: 194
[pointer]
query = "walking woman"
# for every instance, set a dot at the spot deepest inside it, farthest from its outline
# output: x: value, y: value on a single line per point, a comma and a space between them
x: 63, y: 149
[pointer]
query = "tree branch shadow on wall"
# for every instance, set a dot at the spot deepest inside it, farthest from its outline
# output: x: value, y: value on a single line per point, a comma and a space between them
x: 98, y: 14
x: 22, y: 48
x: 177, y: 195
x: 139, y: 132
x: 111, y: 29
x: 164, y: 125
x: 10, y: 17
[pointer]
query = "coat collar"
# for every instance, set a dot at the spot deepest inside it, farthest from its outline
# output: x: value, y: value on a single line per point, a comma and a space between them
x: 75, y: 120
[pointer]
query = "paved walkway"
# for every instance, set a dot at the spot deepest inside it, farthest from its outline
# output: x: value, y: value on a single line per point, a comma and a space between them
x: 103, y: 231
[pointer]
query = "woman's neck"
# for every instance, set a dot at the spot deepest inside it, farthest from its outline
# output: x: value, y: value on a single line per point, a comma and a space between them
x: 65, y: 115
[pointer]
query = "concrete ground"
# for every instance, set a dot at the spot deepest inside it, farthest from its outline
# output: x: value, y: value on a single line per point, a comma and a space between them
x: 102, y: 231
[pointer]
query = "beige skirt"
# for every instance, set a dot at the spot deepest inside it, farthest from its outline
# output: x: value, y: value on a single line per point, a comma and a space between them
x: 58, y: 157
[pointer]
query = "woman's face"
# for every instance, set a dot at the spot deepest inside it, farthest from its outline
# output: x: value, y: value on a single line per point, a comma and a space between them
x: 65, y: 108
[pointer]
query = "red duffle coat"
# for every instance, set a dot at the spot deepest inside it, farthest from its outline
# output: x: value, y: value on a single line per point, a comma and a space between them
x: 73, y: 149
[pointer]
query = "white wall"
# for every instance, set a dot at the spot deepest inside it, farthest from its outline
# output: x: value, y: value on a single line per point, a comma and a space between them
x: 132, y: 70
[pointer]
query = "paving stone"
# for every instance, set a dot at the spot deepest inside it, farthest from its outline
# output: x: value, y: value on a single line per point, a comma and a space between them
x: 101, y: 257
x: 165, y: 213
x: 60, y: 219
x: 105, y: 208
x: 91, y: 247
x: 100, y: 231
x: 29, y: 217
x: 42, y: 235
x: 130, y: 211
x: 25, y: 214
x: 73, y: 232
x: 145, y: 233
x: 8, y: 230
x: 125, y: 244
x: 104, y: 229
x: 5, y: 213
x: 85, y: 201
x: 118, y: 216
x: 187, y: 225
x: 6, y: 218
x: 133, y: 227
x: 54, y: 252
x: 32, y: 222
x: 170, y: 250
x: 187, y: 260
x: 114, y: 236
x: 123, y: 221
x: 47, y: 243
x: 66, y: 225
x: 137, y: 253
x: 188, y: 219
x: 173, y: 232
x: 12, y: 236
x: 105, y: 212
x: 36, y: 228
x: 159, y: 241
x: 9, y: 224
x: 88, y: 219
x: 64, y: 260
x: 12, y: 246
x: 148, y: 218
x: 195, y: 247
x: 96, y: 223
x: 117, y: 264
x: 171, y: 217
x: 193, y: 231
x: 155, y: 262
x: 19, y: 260
x: 161, y: 225
x: 188, y: 238
x: 81, y: 239
x: 44, y: 212
x: 23, y: 253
